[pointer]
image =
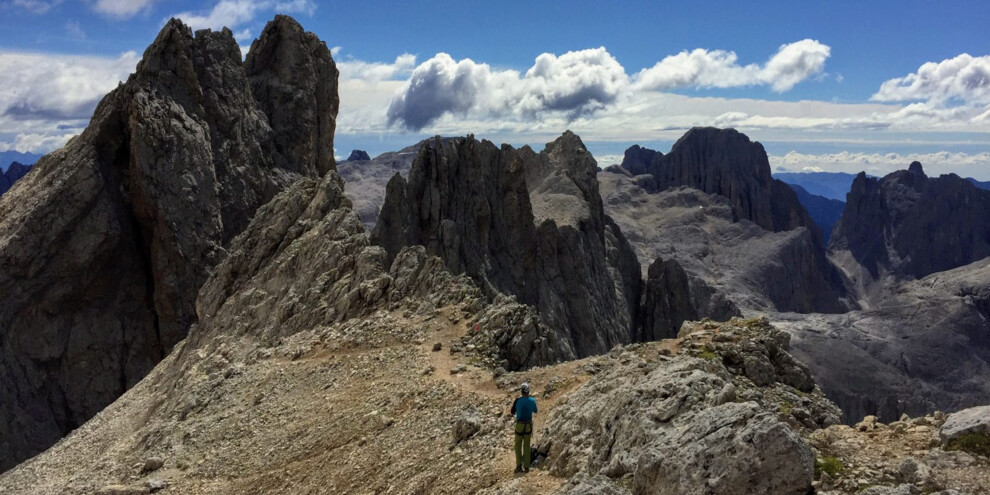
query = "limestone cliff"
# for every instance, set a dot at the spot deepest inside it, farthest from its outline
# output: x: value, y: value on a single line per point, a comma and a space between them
x: 104, y: 246
x: 524, y: 224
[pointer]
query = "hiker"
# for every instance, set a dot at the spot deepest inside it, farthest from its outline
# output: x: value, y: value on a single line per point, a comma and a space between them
x: 524, y: 408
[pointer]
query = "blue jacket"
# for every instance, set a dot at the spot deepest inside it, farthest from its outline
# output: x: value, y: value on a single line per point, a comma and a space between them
x: 524, y: 408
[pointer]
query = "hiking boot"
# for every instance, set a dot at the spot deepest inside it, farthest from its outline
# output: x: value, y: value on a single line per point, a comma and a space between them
x: 518, y: 470
x: 525, y: 469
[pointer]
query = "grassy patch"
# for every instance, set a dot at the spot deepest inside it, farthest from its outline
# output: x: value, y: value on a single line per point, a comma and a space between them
x: 828, y: 464
x: 709, y: 355
x: 785, y: 407
x: 973, y: 443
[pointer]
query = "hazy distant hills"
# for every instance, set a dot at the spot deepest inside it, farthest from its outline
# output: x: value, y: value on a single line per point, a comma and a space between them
x: 831, y: 185
x: 11, y: 156
x: 14, y: 172
x: 824, y: 211
x: 981, y: 185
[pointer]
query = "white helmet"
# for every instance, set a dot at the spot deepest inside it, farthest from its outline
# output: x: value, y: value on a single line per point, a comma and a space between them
x: 525, y: 388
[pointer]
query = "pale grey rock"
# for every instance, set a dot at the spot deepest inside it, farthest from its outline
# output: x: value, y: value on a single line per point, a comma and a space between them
x: 365, y: 181
x: 911, y: 470
x: 466, y: 425
x: 668, y: 429
x: 975, y: 420
x: 592, y: 485
x: 904, y: 489
x: 879, y: 360
x: 731, y: 265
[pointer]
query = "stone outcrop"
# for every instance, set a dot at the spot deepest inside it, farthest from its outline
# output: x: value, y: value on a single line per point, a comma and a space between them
x: 12, y: 175
x: 693, y: 423
x: 973, y: 422
x: 294, y: 82
x: 103, y: 247
x: 909, y: 225
x: 358, y: 156
x: 523, y: 224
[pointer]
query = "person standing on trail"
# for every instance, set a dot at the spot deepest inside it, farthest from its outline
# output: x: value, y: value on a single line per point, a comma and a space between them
x: 524, y: 408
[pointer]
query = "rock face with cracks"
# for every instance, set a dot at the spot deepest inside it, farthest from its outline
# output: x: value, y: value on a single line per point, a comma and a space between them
x: 694, y: 423
x: 526, y: 225
x: 910, y: 225
x: 104, y: 246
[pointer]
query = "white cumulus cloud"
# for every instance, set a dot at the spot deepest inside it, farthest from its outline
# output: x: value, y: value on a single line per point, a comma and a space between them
x: 963, y: 79
x: 375, y: 71
x: 700, y: 68
x: 45, y: 86
x: 574, y: 83
x: 879, y: 164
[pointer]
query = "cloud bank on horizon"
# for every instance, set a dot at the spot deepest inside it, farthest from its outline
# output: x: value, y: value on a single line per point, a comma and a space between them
x: 46, y: 98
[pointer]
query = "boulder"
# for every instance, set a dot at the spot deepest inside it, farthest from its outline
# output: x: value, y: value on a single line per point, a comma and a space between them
x: 669, y: 427
x: 967, y: 428
x: 467, y: 424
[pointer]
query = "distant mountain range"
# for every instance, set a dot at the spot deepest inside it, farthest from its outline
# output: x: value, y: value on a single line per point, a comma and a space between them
x: 831, y: 185
x: 981, y: 185
x: 10, y: 156
x: 825, y: 212
x: 14, y: 172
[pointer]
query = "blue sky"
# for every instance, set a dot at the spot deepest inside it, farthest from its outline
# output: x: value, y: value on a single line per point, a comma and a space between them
x: 805, y: 78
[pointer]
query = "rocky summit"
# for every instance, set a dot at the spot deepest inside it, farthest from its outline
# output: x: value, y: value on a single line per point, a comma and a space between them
x: 103, y: 247
x: 526, y: 225
x: 888, y: 223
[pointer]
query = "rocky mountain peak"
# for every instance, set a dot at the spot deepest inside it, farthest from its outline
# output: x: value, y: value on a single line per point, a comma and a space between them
x: 294, y: 81
x: 358, y: 156
x: 727, y: 163
x: 523, y: 224
x: 14, y: 172
x: 888, y: 223
x: 130, y: 218
x: 637, y: 159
